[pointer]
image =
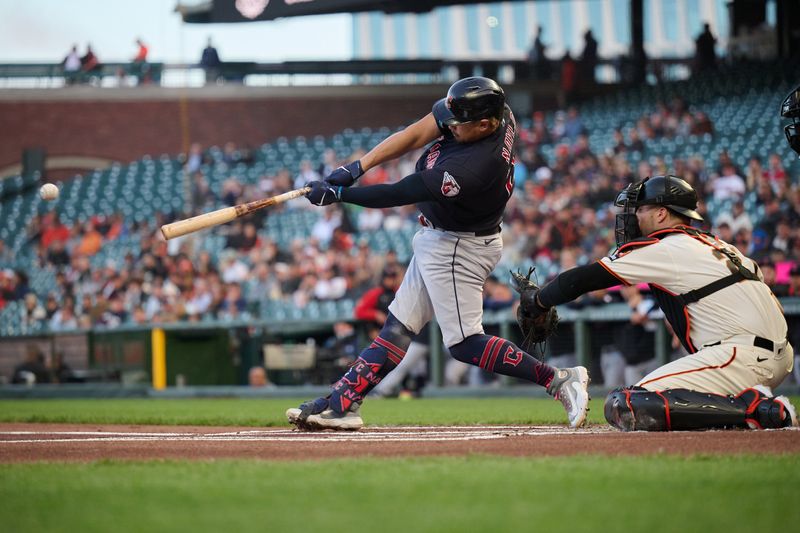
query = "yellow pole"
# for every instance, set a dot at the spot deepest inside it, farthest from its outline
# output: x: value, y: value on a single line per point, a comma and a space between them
x: 159, y: 343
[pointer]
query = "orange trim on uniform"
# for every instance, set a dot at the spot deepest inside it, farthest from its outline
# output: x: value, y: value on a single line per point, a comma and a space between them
x: 636, y: 244
x: 623, y: 280
x: 666, y: 411
x: 718, y: 367
x: 630, y: 407
x: 688, y: 337
x: 689, y: 342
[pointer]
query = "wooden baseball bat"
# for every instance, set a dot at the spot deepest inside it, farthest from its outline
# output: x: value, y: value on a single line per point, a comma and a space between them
x: 226, y: 214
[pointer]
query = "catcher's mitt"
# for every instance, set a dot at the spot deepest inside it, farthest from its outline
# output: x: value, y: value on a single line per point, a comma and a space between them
x: 536, y: 324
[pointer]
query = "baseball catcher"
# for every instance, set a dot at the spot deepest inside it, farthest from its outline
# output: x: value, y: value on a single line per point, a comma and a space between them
x: 717, y: 303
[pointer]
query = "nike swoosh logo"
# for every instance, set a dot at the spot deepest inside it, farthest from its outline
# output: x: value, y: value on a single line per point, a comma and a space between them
x: 760, y: 360
x: 487, y: 242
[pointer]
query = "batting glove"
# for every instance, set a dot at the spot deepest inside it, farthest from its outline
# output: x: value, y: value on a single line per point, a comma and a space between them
x: 323, y: 193
x: 346, y: 175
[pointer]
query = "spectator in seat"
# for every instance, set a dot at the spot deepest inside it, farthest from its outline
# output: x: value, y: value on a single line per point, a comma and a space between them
x: 729, y: 185
x: 33, y: 369
x: 705, y: 55
x: 140, y: 68
x: 90, y: 65
x: 72, y: 66
x: 210, y: 63
x: 257, y: 377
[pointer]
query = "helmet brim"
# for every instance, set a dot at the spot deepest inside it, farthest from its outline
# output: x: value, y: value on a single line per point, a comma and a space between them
x: 685, y: 211
x: 443, y: 115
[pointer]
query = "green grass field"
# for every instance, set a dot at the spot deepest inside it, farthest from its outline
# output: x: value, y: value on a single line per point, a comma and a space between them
x: 270, y: 412
x: 472, y: 493
x: 476, y: 493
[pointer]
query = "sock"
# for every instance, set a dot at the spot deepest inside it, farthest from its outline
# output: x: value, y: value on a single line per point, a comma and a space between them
x: 502, y: 356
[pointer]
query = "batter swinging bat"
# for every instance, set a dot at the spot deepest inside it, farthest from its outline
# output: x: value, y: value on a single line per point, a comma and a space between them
x: 226, y: 214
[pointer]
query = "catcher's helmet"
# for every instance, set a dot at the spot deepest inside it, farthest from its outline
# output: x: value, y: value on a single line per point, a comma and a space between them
x: 790, y: 108
x: 669, y: 191
x: 470, y: 99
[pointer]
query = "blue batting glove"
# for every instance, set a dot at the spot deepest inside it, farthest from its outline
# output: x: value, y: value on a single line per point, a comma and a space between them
x: 323, y: 193
x: 346, y: 175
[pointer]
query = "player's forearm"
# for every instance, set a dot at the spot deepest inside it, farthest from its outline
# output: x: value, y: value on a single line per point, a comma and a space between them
x: 409, y: 190
x: 574, y: 282
x: 411, y: 138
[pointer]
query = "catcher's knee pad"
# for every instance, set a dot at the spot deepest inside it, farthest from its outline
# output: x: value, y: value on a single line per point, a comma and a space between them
x: 638, y: 409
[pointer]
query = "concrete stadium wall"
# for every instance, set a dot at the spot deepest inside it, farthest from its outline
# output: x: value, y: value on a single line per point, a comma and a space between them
x: 123, y: 125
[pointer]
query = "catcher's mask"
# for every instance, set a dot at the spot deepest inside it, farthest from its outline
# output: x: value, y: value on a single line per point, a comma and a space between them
x: 668, y: 191
x: 790, y: 108
x: 470, y: 99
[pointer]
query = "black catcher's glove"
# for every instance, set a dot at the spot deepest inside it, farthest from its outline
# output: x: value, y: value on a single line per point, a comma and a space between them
x: 536, y: 322
x: 323, y: 193
x: 346, y: 175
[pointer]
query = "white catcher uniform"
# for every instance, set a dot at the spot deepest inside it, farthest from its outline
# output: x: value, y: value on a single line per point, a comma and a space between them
x: 736, y: 336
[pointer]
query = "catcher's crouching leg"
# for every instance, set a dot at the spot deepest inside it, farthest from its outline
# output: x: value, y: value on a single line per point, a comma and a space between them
x: 638, y: 409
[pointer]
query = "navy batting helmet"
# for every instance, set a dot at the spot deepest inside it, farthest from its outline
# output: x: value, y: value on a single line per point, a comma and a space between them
x: 470, y: 99
x: 790, y: 108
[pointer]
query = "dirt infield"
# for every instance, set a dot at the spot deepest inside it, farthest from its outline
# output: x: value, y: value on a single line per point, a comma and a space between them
x: 89, y: 442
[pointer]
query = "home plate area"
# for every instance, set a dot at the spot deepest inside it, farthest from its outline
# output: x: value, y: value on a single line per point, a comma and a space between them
x: 368, y: 434
x: 91, y: 442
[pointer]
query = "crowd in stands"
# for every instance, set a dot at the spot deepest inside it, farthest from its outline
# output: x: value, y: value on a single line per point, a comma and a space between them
x: 561, y: 214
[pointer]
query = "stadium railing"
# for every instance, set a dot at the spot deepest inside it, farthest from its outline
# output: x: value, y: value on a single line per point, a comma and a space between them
x: 221, y: 352
x: 373, y: 71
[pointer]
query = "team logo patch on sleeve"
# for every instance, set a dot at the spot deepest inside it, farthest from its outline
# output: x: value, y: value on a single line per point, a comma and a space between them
x: 450, y: 187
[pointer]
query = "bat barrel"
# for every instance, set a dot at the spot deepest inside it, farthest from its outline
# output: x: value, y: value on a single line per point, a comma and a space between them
x: 221, y: 216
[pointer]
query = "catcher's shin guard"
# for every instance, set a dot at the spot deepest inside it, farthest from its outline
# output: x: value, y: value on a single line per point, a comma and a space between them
x: 638, y: 409
x: 377, y: 360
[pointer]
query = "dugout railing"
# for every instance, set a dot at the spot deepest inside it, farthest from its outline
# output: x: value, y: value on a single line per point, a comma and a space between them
x: 221, y: 353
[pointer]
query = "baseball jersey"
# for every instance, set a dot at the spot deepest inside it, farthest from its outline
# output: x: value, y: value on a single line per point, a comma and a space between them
x: 674, y: 262
x: 471, y: 182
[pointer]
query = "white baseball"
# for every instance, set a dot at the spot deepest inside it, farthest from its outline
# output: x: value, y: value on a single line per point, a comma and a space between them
x: 48, y: 191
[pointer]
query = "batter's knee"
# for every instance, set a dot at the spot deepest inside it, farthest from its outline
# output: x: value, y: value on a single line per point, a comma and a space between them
x: 469, y: 350
x: 396, y: 333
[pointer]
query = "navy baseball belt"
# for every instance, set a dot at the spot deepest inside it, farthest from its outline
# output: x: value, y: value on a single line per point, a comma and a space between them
x: 481, y: 233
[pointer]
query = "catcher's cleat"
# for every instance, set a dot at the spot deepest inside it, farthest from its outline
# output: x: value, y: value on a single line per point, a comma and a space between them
x: 570, y: 387
x: 309, y: 417
x: 790, y: 414
x: 766, y: 411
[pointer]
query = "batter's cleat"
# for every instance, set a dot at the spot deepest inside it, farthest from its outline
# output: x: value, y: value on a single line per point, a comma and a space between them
x: 571, y: 387
x: 317, y: 416
x: 298, y: 415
